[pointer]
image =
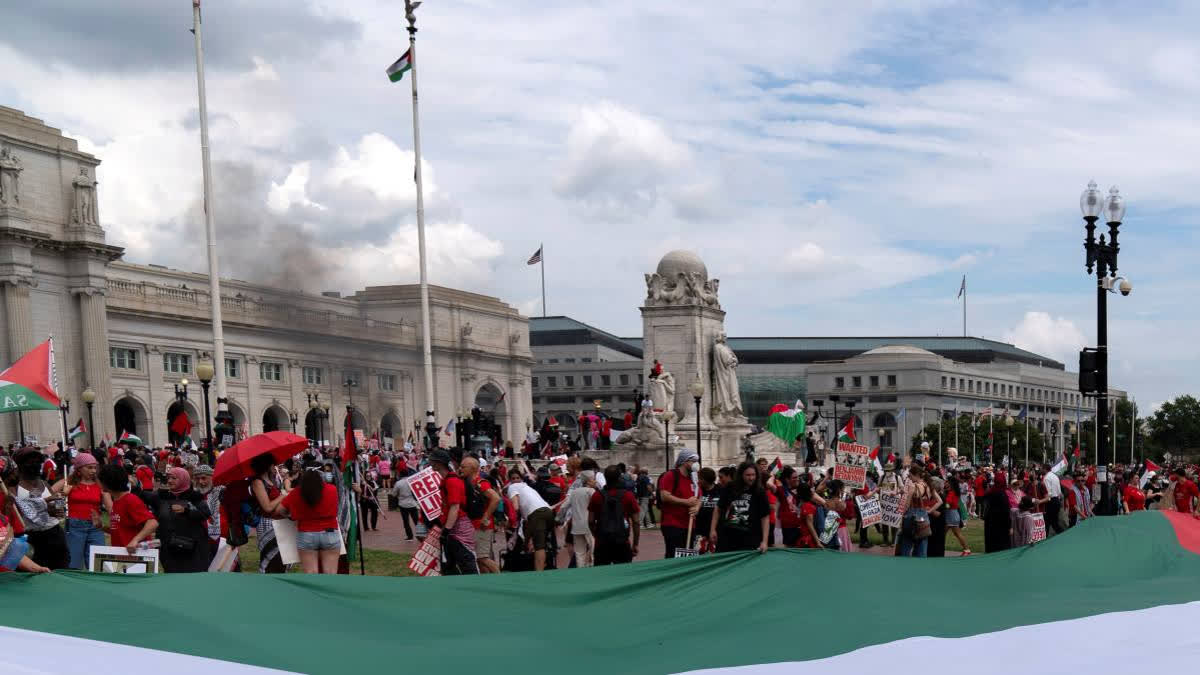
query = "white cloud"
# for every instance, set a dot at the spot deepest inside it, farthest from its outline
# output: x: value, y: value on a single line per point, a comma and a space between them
x: 1056, y: 337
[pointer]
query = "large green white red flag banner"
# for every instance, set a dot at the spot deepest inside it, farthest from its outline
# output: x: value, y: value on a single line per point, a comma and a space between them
x: 1112, y: 590
x: 28, y: 384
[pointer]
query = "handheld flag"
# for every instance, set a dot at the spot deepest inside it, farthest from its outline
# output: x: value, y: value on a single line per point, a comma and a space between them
x: 450, y: 426
x: 129, y: 438
x: 396, y: 71
x: 786, y: 423
x: 78, y: 430
x: 846, y: 435
x: 875, y: 458
x: 181, y: 425
x: 26, y: 384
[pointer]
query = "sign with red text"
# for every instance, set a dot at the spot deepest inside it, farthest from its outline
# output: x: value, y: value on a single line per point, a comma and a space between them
x: 872, y: 512
x: 852, y: 460
x: 427, y: 560
x: 424, y: 485
x: 1039, y: 528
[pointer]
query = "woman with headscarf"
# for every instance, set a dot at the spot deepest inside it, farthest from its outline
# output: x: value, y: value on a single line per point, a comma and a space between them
x: 997, y: 516
x: 182, y: 524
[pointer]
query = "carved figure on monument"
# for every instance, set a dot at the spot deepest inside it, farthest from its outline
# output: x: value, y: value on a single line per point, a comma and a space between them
x: 10, y: 178
x: 662, y: 391
x: 84, y: 211
x: 648, y: 431
x: 726, y: 399
x: 687, y: 288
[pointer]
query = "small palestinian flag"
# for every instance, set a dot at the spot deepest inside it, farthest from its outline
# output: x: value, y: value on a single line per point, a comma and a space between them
x: 402, y: 65
x: 129, y: 438
x: 875, y: 458
x: 846, y: 435
x: 78, y: 430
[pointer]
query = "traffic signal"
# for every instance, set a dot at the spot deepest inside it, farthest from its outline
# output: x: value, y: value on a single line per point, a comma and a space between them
x: 1090, y: 363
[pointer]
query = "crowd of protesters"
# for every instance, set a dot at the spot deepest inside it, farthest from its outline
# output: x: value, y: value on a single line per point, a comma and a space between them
x: 504, y: 514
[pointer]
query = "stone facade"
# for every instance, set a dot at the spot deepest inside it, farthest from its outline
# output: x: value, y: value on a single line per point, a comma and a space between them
x: 134, y: 332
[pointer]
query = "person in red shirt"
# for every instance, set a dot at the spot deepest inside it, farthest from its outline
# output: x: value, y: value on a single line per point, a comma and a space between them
x: 608, y: 506
x: 1135, y: 499
x: 130, y: 522
x: 144, y: 473
x: 49, y: 470
x: 678, y: 501
x: 458, y: 543
x: 808, y: 514
x: 314, y: 507
x: 1185, y: 492
x: 789, y: 508
x: 483, y: 522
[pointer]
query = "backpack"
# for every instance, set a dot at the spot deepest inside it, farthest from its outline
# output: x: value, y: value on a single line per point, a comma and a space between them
x: 548, y: 491
x: 611, y: 523
x: 476, y: 501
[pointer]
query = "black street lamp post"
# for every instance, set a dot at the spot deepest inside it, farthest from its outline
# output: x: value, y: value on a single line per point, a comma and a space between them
x: 205, y: 371
x: 64, y: 407
x: 89, y: 399
x: 181, y: 395
x: 295, y: 417
x: 1093, y: 363
x: 835, y: 398
x: 696, y: 388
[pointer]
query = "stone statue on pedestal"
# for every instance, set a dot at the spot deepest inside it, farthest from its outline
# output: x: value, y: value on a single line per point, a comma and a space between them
x: 10, y: 178
x: 84, y: 211
x: 662, y: 391
x: 727, y: 402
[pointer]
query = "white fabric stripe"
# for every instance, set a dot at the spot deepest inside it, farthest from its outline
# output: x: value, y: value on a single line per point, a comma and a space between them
x: 1094, y: 644
x: 26, y: 652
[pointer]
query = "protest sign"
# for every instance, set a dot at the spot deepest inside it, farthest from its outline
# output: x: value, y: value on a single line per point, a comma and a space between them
x: 852, y: 462
x: 872, y: 512
x: 1039, y: 528
x: 424, y: 485
x: 889, y: 504
x: 225, y: 559
x: 427, y: 560
x: 687, y: 552
x: 117, y: 560
x: 359, y: 437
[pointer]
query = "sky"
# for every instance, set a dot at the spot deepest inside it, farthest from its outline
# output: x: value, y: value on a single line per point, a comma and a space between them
x: 840, y: 166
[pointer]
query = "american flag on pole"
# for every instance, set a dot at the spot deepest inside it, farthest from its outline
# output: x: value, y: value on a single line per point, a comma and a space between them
x: 536, y: 257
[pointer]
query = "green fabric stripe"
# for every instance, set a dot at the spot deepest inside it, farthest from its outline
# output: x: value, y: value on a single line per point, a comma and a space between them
x: 15, y: 397
x: 667, y: 616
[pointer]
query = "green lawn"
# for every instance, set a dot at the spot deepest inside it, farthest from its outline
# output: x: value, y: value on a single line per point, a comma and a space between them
x: 379, y: 563
x: 973, y: 533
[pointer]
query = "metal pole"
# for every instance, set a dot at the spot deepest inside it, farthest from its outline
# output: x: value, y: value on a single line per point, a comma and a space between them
x: 699, y: 456
x: 1132, y: 429
x: 21, y: 426
x: 91, y: 427
x: 208, y: 424
x: 964, y: 306
x: 542, y: 248
x: 214, y: 276
x: 667, y: 442
x: 426, y: 340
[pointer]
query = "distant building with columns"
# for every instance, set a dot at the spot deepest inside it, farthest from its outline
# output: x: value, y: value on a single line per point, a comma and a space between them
x: 133, y: 333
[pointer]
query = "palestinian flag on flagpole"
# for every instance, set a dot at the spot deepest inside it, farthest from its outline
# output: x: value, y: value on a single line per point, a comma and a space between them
x: 1134, y: 580
x: 78, y: 430
x: 875, y: 458
x: 350, y: 476
x: 846, y: 435
x: 1149, y: 472
x: 28, y: 383
x: 786, y: 423
x: 127, y: 437
x: 402, y: 65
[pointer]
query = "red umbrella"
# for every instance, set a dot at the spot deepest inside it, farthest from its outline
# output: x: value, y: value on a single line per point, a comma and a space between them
x: 234, y: 463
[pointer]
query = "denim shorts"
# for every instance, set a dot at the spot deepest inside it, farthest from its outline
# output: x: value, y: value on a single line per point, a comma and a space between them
x: 12, y: 557
x: 319, y: 541
x: 953, y: 518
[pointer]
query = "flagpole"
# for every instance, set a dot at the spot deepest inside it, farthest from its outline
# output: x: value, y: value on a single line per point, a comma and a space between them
x: 1132, y: 429
x: 427, y: 346
x: 214, y: 276
x: 542, y: 248
x: 974, y: 423
x: 964, y: 294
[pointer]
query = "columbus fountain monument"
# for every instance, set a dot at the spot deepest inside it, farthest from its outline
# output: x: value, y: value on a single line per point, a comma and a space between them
x: 686, y: 356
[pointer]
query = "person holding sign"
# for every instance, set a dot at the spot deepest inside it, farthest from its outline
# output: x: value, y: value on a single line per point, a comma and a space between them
x: 314, y: 507
x: 458, y: 535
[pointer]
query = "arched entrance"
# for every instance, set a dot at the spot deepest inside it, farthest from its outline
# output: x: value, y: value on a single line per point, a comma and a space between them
x: 390, y: 427
x: 275, y: 418
x: 240, y: 429
x: 886, y: 423
x: 130, y: 416
x: 490, y: 400
x: 314, y: 427
x: 197, y: 421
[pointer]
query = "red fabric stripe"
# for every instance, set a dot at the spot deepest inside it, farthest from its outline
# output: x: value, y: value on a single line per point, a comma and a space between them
x: 1187, y: 529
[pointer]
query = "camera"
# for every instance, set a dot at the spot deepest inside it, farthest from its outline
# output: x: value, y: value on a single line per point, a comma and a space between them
x: 1126, y: 288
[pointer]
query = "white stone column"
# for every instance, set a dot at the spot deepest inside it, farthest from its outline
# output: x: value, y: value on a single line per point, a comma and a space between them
x: 253, y: 399
x: 96, y: 372
x: 157, y: 399
x: 19, y: 316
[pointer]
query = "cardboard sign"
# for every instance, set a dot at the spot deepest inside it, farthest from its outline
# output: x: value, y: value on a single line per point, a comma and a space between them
x: 889, y: 504
x: 872, y: 512
x: 427, y: 560
x: 424, y: 485
x: 687, y: 552
x: 359, y: 437
x: 225, y: 559
x: 852, y: 462
x: 116, y: 560
x: 1039, y: 528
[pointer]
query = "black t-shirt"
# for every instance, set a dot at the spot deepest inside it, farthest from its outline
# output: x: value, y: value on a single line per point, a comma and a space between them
x: 743, y: 511
x: 709, y: 500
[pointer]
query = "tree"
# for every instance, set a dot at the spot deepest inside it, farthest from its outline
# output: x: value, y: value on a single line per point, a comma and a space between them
x: 1175, y: 427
